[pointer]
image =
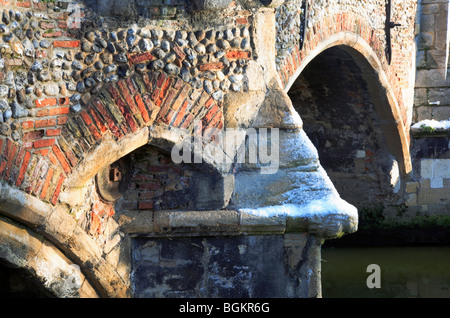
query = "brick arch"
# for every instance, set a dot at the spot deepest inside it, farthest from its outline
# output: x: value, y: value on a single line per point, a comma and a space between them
x: 45, y: 157
x: 352, y: 32
x: 124, y: 116
x: 40, y: 226
x: 127, y: 114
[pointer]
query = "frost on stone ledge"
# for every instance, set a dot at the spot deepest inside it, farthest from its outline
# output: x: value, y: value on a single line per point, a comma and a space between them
x: 330, y: 205
x: 431, y: 126
x: 329, y: 217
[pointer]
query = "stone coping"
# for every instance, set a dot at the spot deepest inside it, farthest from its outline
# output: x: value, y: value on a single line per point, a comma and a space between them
x: 229, y: 222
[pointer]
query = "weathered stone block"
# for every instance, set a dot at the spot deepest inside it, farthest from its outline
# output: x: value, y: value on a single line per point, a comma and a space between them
x: 411, y: 199
x: 254, y: 266
x: 433, y: 77
x: 420, y: 96
x: 426, y: 168
x: 425, y: 40
x: 432, y: 196
x: 440, y: 94
x: 211, y: 5
x: 440, y: 112
x: 412, y: 187
x: 427, y: 22
x: 430, y: 8
x: 436, y: 58
x: 421, y: 113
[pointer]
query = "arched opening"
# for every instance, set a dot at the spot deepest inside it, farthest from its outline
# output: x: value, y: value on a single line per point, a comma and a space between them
x: 18, y: 283
x: 149, y: 180
x: 344, y: 114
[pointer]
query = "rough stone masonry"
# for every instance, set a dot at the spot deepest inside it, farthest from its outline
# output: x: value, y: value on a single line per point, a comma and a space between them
x: 95, y: 94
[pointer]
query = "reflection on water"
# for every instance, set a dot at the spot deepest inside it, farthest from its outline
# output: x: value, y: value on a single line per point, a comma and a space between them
x: 420, y: 272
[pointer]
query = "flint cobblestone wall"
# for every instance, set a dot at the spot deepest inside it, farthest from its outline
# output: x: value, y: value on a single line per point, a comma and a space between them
x: 51, y: 70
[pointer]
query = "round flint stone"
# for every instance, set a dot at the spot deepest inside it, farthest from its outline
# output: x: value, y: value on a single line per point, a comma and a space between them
x: 98, y: 65
x: 4, y: 29
x: 7, y: 114
x: 217, y: 95
x: 102, y: 43
x: 90, y: 36
x: 131, y: 39
x: 89, y: 82
x: 165, y: 46
x: 211, y: 48
x: 159, y: 53
x: 158, y: 34
x: 141, y: 67
x: 200, y: 49
x: 228, y: 35
x: 75, y: 98
x: 170, y: 58
x: 156, y: 65
x: 3, y: 105
x: 76, y: 108
x: 45, y: 44
x: 86, y: 46
x: 223, y: 44
x: 36, y: 67
x: 207, y: 86
x: 121, y: 58
x: 145, y: 44
x: 81, y: 88
x: 172, y: 69
x: 110, y: 68
x: 97, y: 48
x: 185, y: 75
x: 4, y: 90
x: 18, y: 111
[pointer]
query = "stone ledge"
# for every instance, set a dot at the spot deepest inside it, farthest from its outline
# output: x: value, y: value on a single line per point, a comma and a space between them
x: 228, y: 222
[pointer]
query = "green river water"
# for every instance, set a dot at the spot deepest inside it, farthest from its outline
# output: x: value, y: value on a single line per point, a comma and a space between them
x: 406, y: 271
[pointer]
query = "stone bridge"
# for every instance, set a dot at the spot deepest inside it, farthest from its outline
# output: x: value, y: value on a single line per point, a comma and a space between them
x: 134, y: 139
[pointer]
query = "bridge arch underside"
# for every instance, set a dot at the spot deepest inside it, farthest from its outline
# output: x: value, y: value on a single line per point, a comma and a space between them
x: 33, y: 267
x: 347, y: 116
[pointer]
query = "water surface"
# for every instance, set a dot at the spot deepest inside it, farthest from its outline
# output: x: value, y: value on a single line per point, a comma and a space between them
x: 418, y: 272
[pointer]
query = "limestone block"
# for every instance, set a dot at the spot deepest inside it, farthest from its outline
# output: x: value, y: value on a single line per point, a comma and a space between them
x: 126, y: 8
x: 412, y: 187
x: 191, y: 222
x: 430, y: 8
x: 16, y: 246
x: 442, y: 168
x: 422, y: 112
x: 211, y: 5
x: 120, y: 258
x: 136, y: 221
x: 440, y: 94
x: 255, y: 224
x: 427, y: 22
x: 425, y: 40
x: 442, y: 17
x: 22, y: 206
x: 436, y: 183
x: 426, y: 168
x: 420, y: 96
x: 436, y: 58
x: 432, y: 196
x: 433, y: 77
x: 421, y: 61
